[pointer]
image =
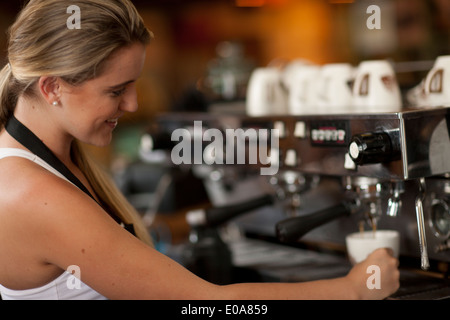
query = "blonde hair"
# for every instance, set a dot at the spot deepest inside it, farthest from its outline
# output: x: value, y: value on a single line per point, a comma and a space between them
x: 40, y: 43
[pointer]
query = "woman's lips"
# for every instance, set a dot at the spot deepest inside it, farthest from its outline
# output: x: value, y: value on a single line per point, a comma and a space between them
x: 112, y: 122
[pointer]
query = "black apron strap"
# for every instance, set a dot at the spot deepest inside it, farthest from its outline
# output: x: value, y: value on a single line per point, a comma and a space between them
x: 30, y: 141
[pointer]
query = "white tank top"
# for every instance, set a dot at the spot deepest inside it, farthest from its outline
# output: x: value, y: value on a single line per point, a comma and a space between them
x: 66, y: 286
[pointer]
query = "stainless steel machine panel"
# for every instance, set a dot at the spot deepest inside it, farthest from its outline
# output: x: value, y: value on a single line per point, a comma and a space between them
x: 419, y: 143
x: 397, y: 163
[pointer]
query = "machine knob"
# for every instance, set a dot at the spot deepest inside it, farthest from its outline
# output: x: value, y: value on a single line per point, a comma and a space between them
x: 369, y: 148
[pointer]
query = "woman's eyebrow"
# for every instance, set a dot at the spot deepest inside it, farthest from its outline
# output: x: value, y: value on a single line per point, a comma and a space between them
x: 121, y: 84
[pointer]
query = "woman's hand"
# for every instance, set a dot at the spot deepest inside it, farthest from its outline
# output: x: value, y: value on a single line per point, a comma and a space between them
x: 377, y: 277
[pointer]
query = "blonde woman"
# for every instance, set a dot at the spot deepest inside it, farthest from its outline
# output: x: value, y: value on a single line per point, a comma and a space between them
x: 58, y: 211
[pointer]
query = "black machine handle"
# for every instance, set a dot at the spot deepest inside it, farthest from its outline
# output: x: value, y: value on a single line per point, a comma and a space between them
x: 218, y: 215
x: 292, y: 229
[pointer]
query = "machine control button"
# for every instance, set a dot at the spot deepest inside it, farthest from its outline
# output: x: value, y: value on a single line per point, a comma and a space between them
x: 291, y: 158
x: 349, y: 164
x: 300, y: 129
x: 370, y: 148
x: 279, y: 125
x: 353, y: 150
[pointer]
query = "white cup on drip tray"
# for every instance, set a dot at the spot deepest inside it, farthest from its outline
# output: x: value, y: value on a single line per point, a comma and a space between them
x: 361, y: 244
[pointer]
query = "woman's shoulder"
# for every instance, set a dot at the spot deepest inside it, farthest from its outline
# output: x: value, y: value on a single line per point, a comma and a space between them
x: 41, y: 216
x: 21, y: 178
x: 30, y: 192
x: 45, y: 207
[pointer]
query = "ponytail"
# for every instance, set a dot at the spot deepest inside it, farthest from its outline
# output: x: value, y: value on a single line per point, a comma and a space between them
x: 7, y: 97
x: 108, y: 193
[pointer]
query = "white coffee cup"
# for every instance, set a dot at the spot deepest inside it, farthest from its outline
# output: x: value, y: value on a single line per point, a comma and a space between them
x: 333, y: 91
x: 290, y: 69
x: 300, y: 79
x: 265, y: 93
x: 415, y: 97
x: 436, y: 87
x: 375, y: 88
x: 361, y: 244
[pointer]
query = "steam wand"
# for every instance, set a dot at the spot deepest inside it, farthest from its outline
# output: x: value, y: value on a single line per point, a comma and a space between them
x: 425, y: 264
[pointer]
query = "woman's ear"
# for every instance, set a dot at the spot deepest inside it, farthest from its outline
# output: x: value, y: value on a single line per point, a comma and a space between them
x: 50, y: 89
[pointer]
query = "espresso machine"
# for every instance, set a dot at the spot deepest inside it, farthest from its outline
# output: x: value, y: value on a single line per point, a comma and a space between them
x: 336, y: 174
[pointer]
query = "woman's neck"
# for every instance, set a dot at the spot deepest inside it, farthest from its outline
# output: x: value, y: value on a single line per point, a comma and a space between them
x: 38, y: 118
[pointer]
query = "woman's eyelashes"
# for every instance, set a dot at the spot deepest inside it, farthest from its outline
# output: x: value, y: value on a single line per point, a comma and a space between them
x: 118, y: 93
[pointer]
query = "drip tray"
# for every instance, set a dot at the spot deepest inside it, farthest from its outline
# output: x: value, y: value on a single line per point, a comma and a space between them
x: 275, y: 262
x: 416, y: 286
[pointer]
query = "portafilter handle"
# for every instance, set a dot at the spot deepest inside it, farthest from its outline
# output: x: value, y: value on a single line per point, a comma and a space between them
x: 292, y: 229
x: 216, y: 216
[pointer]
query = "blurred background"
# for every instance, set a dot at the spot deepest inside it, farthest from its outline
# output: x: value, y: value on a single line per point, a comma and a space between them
x: 198, y: 42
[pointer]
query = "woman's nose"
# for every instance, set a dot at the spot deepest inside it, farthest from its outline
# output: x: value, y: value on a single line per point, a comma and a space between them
x: 129, y: 103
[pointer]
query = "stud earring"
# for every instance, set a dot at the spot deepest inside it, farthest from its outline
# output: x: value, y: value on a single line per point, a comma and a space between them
x: 55, y: 103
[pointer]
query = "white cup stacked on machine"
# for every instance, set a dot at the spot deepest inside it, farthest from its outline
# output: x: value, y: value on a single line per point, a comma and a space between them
x: 375, y: 88
x: 301, y: 88
x: 333, y: 89
x: 434, y: 90
x: 265, y: 93
x: 339, y: 88
x: 299, y: 78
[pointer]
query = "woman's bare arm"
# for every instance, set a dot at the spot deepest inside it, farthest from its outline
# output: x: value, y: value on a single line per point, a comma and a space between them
x: 65, y: 228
